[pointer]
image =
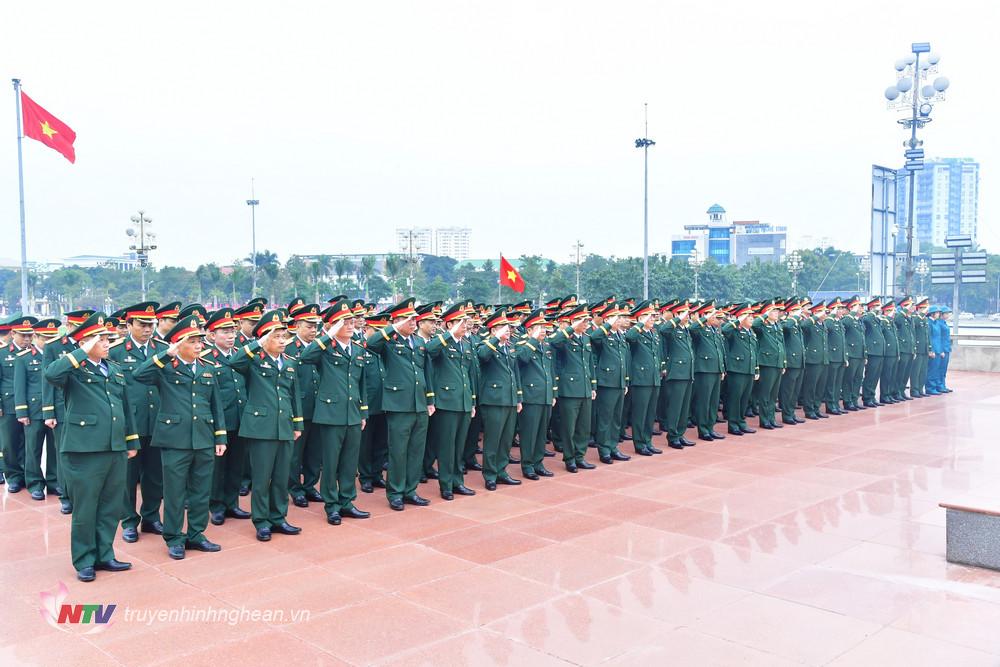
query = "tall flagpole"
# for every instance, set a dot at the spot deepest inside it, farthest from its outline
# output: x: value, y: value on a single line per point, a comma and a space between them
x: 25, y: 307
x: 498, y: 281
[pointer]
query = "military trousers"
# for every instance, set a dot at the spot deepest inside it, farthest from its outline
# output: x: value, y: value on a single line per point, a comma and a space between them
x: 812, y: 381
x: 834, y: 384
x: 850, y: 389
x: 96, y: 482
x: 532, y: 424
x: 873, y: 371
x: 296, y: 487
x: 626, y: 414
x: 407, y: 438
x: 60, y: 482
x: 269, y: 464
x: 447, y: 432
x: 765, y: 393
x: 187, y: 477
x: 574, y: 421
x: 644, y: 401
x: 887, y: 378
x: 499, y: 424
x: 705, y: 400
x: 918, y: 374
x: 472, y: 439
x: 39, y: 441
x: 374, y: 449
x: 678, y: 407
x: 788, y: 392
x: 340, y: 447
x: 145, y: 472
x: 608, y: 414
x: 12, y: 445
x: 227, y: 475
x: 903, y: 369
x: 739, y: 389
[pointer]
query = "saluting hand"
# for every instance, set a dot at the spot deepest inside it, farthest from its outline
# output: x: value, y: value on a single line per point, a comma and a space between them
x: 335, y: 328
x: 172, y: 350
x: 88, y: 343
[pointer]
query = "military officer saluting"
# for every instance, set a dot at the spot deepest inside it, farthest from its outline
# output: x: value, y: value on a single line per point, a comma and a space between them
x: 190, y: 431
x: 99, y: 431
x: 28, y: 386
x: 306, y: 451
x: 771, y: 360
x: 816, y: 361
x: 837, y: 353
x: 680, y: 375
x: 890, y: 354
x: 875, y: 351
x: 709, y: 347
x: 576, y: 371
x: 921, y: 349
x: 741, y: 368
x: 854, y: 346
x: 645, y: 372
x: 903, y: 321
x: 612, y: 361
x: 374, y: 437
x: 791, y: 381
x: 538, y: 387
x: 499, y: 399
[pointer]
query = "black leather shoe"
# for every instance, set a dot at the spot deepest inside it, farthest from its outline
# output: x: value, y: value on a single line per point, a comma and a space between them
x: 748, y: 429
x: 508, y: 480
x: 38, y: 495
x: 530, y: 475
x: 735, y: 431
x: 606, y: 458
x: 353, y: 512
x: 113, y: 565
x: 379, y: 482
x: 65, y: 506
x: 204, y: 545
x: 237, y: 513
x: 644, y: 452
x: 416, y: 500
x: 767, y: 427
x: 300, y: 501
x: 475, y: 466
x: 155, y: 527
x: 313, y: 495
x: 513, y: 459
x: 675, y: 444
x: 822, y: 416
x: 218, y: 518
x: 286, y: 528
x: 367, y: 487
x: 799, y: 420
x: 423, y: 479
x: 176, y: 552
x: 626, y: 437
x: 851, y: 408
x: 491, y: 485
x: 790, y: 422
x: 720, y: 420
x: 244, y: 490
x: 86, y: 574
x: 263, y: 534
x: 571, y: 467
x: 654, y: 450
x: 542, y: 471
x: 14, y: 487
x: 618, y: 456
x: 432, y: 474
x: 585, y: 465
x: 812, y: 417
x: 396, y: 504
x: 706, y: 437
x: 777, y: 425
x: 657, y: 431
x: 549, y: 454
x: 463, y: 490
x: 333, y: 518
x: 130, y: 535
x: 447, y: 495
x: 687, y: 443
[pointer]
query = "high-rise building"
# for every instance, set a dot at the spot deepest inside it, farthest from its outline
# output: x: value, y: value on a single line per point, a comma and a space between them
x: 946, y: 201
x: 737, y: 243
x: 452, y: 242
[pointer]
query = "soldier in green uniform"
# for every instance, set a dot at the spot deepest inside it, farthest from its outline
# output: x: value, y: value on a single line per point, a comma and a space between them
x: 407, y: 400
x: 771, y: 359
x: 498, y: 398
x: 270, y: 421
x: 228, y: 468
x: 451, y: 357
x: 99, y: 430
x: 144, y: 469
x: 428, y: 320
x: 535, y: 363
x: 890, y: 354
x: 837, y: 353
x: 374, y: 437
x: 247, y: 318
x: 575, y: 369
x: 791, y: 381
x: 644, y: 376
x: 341, y: 410
x: 11, y: 431
x: 854, y: 346
x: 307, y: 451
x: 921, y: 350
x: 680, y: 375
x: 903, y: 321
x: 612, y: 360
x: 190, y: 431
x: 166, y: 318
x: 875, y: 351
x: 709, y: 348
x: 39, y: 440
x: 471, y: 448
x: 817, y: 360
x: 741, y: 368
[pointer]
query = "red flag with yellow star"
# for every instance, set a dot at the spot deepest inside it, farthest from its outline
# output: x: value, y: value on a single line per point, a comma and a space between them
x: 42, y: 126
x: 509, y: 277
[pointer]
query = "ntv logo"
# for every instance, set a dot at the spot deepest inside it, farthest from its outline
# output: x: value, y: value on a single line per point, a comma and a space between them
x: 62, y: 616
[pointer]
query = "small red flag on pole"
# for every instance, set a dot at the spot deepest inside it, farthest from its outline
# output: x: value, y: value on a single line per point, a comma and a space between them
x: 509, y: 277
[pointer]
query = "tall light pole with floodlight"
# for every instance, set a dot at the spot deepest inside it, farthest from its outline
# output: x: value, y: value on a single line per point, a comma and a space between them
x: 644, y: 143
x: 794, y: 262
x: 253, y: 203
x: 923, y: 268
x: 695, y: 263
x: 143, y: 241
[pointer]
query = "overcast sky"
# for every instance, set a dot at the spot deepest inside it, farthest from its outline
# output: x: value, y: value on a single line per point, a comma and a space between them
x: 516, y: 119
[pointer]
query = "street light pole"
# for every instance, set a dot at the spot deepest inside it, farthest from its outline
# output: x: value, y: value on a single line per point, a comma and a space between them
x: 577, y: 247
x: 145, y: 241
x: 252, y: 203
x: 794, y: 262
x: 922, y: 270
x: 695, y: 264
x: 644, y: 143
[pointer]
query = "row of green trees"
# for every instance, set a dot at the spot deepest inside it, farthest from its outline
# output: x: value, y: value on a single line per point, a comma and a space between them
x: 441, y: 278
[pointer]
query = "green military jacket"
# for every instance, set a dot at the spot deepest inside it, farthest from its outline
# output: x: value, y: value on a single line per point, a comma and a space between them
x: 8, y: 355
x: 904, y: 333
x: 874, y: 340
x: 535, y: 366
x: 770, y: 343
x: 274, y: 405
x: 814, y: 341
x: 144, y: 399
x: 373, y: 380
x: 341, y: 399
x: 854, y: 337
x: 921, y: 335
x: 232, y: 386
x: 500, y: 376
x: 405, y: 384
x: 709, y: 348
x: 98, y: 415
x: 28, y: 383
x: 791, y: 328
x: 308, y: 378
x: 574, y: 364
x: 647, y: 359
x: 612, y: 357
x: 678, y: 354
x: 53, y: 401
x: 191, y: 414
x: 835, y: 345
x: 891, y: 348
x: 741, y: 349
x: 453, y: 372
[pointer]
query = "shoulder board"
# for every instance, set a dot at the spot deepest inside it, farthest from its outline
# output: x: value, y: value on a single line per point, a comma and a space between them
x: 117, y: 343
x: 520, y: 342
x: 24, y: 352
x: 207, y: 352
x: 157, y: 339
x: 287, y: 356
x: 209, y: 362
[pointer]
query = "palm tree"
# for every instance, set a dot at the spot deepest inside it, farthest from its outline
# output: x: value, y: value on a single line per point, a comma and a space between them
x: 394, y: 267
x: 318, y: 270
x: 208, y: 276
x: 366, y: 271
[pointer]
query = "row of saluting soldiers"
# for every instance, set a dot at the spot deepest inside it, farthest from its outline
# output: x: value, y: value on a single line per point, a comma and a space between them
x: 181, y: 411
